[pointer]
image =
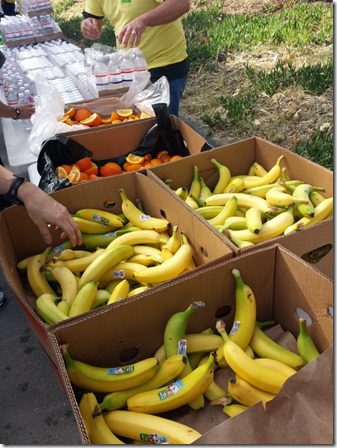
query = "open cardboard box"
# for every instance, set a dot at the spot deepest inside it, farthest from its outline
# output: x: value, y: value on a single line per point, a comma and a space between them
x: 19, y: 237
x: 302, y: 412
x: 110, y: 141
x: 238, y: 157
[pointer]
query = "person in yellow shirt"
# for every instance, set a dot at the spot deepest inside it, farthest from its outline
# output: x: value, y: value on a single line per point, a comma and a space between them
x: 155, y: 26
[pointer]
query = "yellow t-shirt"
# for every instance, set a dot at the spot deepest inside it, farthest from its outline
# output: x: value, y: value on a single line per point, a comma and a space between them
x: 161, y: 45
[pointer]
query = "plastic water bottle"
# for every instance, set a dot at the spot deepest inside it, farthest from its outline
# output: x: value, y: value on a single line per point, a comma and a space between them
x: 115, y: 72
x: 12, y: 97
x: 139, y: 61
x: 101, y: 74
x: 127, y: 67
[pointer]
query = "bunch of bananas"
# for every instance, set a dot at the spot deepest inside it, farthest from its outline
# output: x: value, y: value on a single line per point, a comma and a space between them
x: 123, y: 255
x: 257, y: 206
x: 181, y: 373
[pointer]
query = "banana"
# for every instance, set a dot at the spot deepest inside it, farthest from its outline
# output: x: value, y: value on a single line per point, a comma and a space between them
x: 22, y: 264
x: 259, y: 170
x: 120, y: 292
x: 64, y: 306
x: 98, y: 431
x: 191, y: 203
x: 254, y: 373
x: 88, y: 226
x: 239, y: 243
x: 214, y: 391
x: 92, y: 241
x: 101, y: 216
x: 245, y: 312
x: 145, y: 260
x: 209, y: 211
x: 195, y: 186
x: 246, y: 394
x: 228, y: 210
x: 137, y: 290
x: 168, y: 371
x: 205, y: 191
x: 101, y: 298
x: 261, y: 190
x: 254, y: 220
x: 108, y: 379
x: 123, y: 270
x: 47, y: 309
x: 270, y: 229
x: 270, y: 177
x: 265, y: 347
x: 279, y: 197
x: 179, y: 393
x: 174, y: 242
x: 150, y: 428
x: 56, y: 250
x: 220, y: 359
x: 235, y: 223
x: 36, y: 277
x: 136, y: 237
x: 234, y: 409
x: 316, y: 197
x: 138, y: 218
x: 244, y: 200
x: 224, y: 177
x: 148, y: 250
x: 276, y: 365
x: 182, y: 192
x: 67, y: 281
x: 169, y: 269
x: 235, y: 185
x: 70, y: 254
x: 84, y: 299
x: 78, y: 264
x: 305, y: 345
x: 302, y: 195
x: 104, y: 262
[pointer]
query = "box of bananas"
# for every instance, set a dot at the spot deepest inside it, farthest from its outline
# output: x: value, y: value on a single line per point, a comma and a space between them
x: 250, y: 337
x: 253, y: 192
x: 135, y: 236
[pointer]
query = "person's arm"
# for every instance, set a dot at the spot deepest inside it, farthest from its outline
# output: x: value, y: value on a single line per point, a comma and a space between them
x: 23, y: 111
x: 166, y: 12
x: 43, y: 210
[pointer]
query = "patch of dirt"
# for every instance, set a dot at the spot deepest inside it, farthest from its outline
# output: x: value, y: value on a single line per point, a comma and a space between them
x: 285, y: 118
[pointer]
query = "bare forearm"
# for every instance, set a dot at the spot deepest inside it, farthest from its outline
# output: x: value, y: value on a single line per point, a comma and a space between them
x: 7, y: 111
x: 166, y: 12
x: 6, y: 178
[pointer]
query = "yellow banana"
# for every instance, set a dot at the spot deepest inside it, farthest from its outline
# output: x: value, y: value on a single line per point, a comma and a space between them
x: 125, y: 269
x: 169, y: 269
x: 145, y: 260
x: 195, y: 186
x: 228, y: 210
x: 101, y: 298
x: 259, y: 170
x: 174, y: 242
x: 120, y: 292
x: 150, y: 428
x: 209, y: 211
x: 239, y: 243
x: 47, y: 309
x: 148, y: 250
x: 270, y: 177
x: 244, y: 200
x: 279, y: 197
x: 265, y: 347
x: 84, y: 300
x: 182, y: 192
x: 36, y: 278
x: 78, y: 264
x: 214, y: 391
x: 234, y: 409
x: 22, y: 264
x: 205, y: 191
x: 191, y: 202
x: 278, y: 366
x: 136, y: 237
x: 91, y: 227
x: 168, y: 371
x: 67, y: 281
x: 93, y: 241
x: 245, y: 312
x: 104, y: 262
x: 64, y: 306
x: 224, y: 176
x: 254, y: 373
x: 176, y: 394
x: 270, y: 229
x: 261, y: 190
x: 302, y: 194
x: 235, y: 223
x: 305, y: 345
x: 235, y: 185
x: 245, y: 393
x: 70, y: 254
x: 98, y: 431
x: 137, y: 290
x: 139, y: 218
x: 108, y: 379
x: 101, y: 216
x: 254, y: 220
x: 316, y: 197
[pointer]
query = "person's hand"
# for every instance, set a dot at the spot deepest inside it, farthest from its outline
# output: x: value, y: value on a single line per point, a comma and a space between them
x: 91, y: 28
x: 130, y: 35
x: 46, y: 211
x: 26, y: 110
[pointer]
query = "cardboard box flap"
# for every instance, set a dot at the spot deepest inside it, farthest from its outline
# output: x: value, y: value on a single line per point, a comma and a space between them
x: 302, y: 413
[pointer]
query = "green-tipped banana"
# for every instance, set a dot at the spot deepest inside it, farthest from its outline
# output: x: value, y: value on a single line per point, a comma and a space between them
x: 305, y: 345
x: 195, y: 187
x: 47, y: 309
x: 92, y: 241
x: 84, y: 300
x: 244, y: 200
x: 209, y: 212
x: 205, y: 191
x: 182, y: 192
x: 224, y: 177
x: 228, y: 210
x: 302, y: 194
x: 265, y: 347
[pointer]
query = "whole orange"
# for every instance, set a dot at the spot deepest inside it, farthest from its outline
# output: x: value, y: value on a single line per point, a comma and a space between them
x: 92, y: 170
x: 110, y: 169
x: 84, y: 163
x: 82, y: 114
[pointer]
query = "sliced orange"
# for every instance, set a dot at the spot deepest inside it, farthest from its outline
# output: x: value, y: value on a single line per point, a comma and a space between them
x: 94, y: 120
x: 66, y: 167
x: 61, y: 173
x: 124, y: 113
x: 134, y: 159
x: 175, y: 157
x: 82, y: 114
x: 74, y: 175
x: 144, y: 115
x: 106, y: 120
x: 133, y: 167
x: 114, y: 116
x: 155, y: 162
x: 70, y: 112
x: 116, y: 121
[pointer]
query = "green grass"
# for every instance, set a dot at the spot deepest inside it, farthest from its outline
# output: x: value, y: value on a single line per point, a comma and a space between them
x: 318, y: 148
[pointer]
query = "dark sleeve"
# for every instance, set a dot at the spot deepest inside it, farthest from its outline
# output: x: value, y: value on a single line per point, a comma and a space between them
x: 86, y: 15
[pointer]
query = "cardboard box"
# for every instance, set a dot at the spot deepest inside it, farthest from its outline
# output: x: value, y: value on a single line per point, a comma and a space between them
x: 302, y: 412
x: 114, y: 140
x: 19, y: 237
x: 238, y: 157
